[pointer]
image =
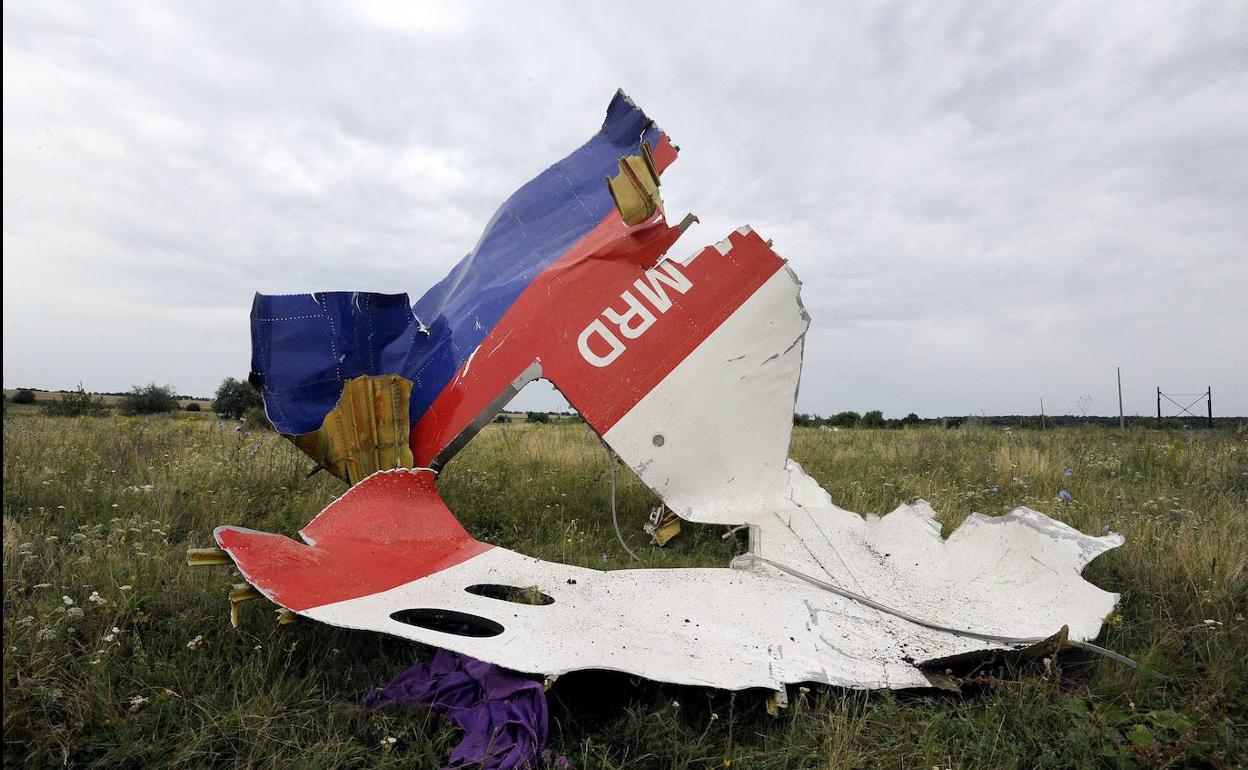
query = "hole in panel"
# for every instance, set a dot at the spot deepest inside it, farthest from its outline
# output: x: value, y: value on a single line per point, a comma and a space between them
x: 448, y: 622
x: 513, y: 594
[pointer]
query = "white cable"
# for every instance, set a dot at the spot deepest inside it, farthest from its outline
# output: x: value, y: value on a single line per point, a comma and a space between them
x: 1012, y: 640
x: 615, y: 522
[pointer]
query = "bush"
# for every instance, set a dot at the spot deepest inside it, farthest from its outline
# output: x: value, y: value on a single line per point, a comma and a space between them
x: 255, y: 419
x: 78, y: 403
x: 235, y: 398
x: 194, y: 407
x: 149, y: 399
x: 24, y: 396
x: 873, y: 419
x: 845, y: 419
x: 536, y: 417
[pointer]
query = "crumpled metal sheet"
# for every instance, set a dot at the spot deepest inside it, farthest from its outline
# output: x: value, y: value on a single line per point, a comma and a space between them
x: 306, y: 346
x: 688, y: 369
x: 387, y: 557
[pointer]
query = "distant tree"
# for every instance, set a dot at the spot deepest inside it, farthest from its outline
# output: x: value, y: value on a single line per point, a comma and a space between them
x: 234, y: 398
x: 24, y: 396
x: 910, y: 419
x: 149, y: 399
x: 845, y: 419
x: 78, y: 403
x: 873, y: 419
x: 501, y: 418
x: 536, y: 417
x: 805, y: 420
x: 194, y: 407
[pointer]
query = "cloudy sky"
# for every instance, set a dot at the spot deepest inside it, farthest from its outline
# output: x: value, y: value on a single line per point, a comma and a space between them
x: 989, y: 205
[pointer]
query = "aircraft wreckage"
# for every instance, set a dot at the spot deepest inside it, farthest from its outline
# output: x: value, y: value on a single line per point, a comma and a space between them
x: 687, y: 368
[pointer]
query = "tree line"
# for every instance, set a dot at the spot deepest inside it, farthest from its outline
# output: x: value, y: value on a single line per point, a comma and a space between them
x: 234, y: 399
x: 239, y: 400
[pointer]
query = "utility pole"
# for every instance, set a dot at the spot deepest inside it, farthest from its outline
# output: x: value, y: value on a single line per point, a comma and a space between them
x: 1158, y: 403
x: 1122, y: 421
x: 1209, y: 400
x: 1042, y: 414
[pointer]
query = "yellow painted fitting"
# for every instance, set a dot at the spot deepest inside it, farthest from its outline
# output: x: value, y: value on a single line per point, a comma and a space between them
x: 242, y: 593
x: 206, y: 557
x: 663, y: 526
x: 635, y: 189
x: 285, y: 616
x: 776, y: 701
x: 366, y: 431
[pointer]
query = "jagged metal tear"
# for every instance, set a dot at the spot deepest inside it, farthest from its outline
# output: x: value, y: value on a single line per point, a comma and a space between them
x: 711, y: 439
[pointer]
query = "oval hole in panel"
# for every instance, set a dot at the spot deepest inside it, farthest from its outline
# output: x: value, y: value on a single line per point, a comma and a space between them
x: 513, y: 594
x: 448, y: 622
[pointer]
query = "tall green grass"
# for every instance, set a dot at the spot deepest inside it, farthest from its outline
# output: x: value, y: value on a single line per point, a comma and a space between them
x: 118, y: 655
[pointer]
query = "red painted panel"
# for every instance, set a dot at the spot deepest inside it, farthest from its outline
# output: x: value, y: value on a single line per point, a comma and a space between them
x: 545, y: 322
x: 390, y: 529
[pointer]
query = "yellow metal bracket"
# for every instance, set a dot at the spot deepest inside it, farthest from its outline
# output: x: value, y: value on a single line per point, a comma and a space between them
x: 635, y: 189
x: 242, y: 593
x: 662, y: 526
x: 207, y: 557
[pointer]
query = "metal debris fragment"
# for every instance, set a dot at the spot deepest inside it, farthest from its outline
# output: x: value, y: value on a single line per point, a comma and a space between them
x: 635, y: 189
x: 366, y: 431
x: 242, y: 592
x: 207, y: 557
x: 662, y: 526
x: 653, y: 352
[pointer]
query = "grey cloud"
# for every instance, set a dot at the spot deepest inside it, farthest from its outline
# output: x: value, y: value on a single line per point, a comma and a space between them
x: 988, y: 205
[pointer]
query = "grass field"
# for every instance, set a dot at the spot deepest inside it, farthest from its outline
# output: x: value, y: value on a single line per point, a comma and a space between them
x: 118, y: 655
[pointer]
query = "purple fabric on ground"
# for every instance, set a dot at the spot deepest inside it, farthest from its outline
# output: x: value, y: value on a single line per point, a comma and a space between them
x: 502, y: 714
